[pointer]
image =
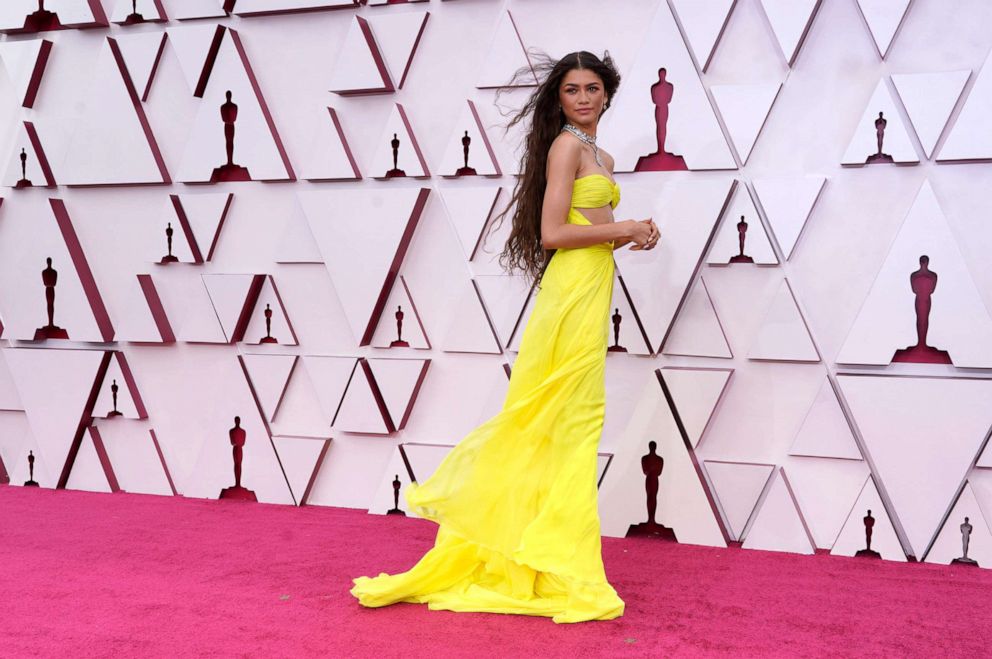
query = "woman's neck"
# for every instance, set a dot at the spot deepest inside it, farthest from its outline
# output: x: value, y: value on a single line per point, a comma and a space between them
x: 589, y: 128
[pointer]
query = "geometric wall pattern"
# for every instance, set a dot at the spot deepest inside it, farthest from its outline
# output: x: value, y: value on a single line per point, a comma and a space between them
x: 265, y: 221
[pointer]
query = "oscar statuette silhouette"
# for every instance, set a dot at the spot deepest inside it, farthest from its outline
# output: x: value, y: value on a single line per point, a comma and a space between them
x: 24, y: 182
x: 395, y: 171
x: 662, y: 93
x: 50, y: 277
x: 878, y: 156
x: 237, y: 436
x: 616, y: 347
x: 41, y: 20
x: 31, y: 482
x: 229, y: 171
x: 399, y: 342
x: 923, y: 283
x: 652, y: 465
x: 868, y: 552
x: 966, y: 529
x: 395, y: 510
x: 741, y: 257
x: 169, y: 257
x: 268, y: 338
x: 465, y: 170
x: 113, y: 392
x: 134, y: 17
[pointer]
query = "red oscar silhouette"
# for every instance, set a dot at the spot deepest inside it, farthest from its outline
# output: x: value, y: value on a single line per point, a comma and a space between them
x: 395, y: 510
x: 237, y: 435
x: 229, y: 171
x: 399, y: 342
x: 395, y: 171
x: 923, y: 282
x: 868, y: 552
x: 50, y: 277
x: 616, y: 347
x: 24, y: 182
x: 31, y: 482
x: 41, y: 20
x: 268, y: 338
x: 741, y: 257
x: 466, y: 170
x: 652, y: 465
x: 113, y: 392
x: 134, y: 17
x: 169, y: 258
x: 661, y: 160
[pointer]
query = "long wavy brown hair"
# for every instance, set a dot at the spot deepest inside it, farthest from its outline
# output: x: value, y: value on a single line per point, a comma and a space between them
x: 524, y: 250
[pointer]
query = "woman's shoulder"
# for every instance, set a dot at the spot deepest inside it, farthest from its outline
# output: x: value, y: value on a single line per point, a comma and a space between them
x: 565, y: 142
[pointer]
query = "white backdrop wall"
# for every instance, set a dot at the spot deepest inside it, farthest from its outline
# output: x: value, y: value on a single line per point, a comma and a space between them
x: 769, y: 387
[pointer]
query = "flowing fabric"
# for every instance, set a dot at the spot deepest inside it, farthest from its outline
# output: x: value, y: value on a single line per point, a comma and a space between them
x: 516, y: 501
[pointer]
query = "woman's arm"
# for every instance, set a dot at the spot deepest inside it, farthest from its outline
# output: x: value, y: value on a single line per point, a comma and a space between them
x: 556, y: 232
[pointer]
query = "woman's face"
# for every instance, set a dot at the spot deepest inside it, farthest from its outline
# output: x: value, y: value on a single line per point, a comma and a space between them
x: 583, y: 97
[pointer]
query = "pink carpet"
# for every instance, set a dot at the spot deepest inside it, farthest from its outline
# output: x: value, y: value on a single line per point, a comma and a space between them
x: 128, y: 575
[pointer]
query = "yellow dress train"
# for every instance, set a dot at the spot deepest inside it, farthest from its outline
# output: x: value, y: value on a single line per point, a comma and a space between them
x: 516, y: 501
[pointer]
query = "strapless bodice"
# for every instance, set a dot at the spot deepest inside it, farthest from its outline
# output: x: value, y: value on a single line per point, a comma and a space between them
x: 594, y: 191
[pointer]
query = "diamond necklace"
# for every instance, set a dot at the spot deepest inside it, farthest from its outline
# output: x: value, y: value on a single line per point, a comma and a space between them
x: 587, y: 138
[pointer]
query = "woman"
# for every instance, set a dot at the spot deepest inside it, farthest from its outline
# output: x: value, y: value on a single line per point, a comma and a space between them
x: 516, y: 499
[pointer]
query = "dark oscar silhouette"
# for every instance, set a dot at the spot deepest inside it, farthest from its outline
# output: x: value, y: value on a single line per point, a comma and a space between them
x: 741, y: 257
x: 395, y: 171
x: 50, y: 277
x: 237, y: 436
x: 24, y: 182
x: 652, y: 465
x: 399, y: 342
x: 868, y: 552
x: 661, y: 160
x: 229, y: 171
x: 616, y: 347
x: 923, y: 282
x: 395, y: 510
x: 268, y: 338
x: 169, y: 258
x: 966, y: 529
x: 113, y: 392
x: 466, y: 170
x: 31, y: 481
x: 878, y: 156
x: 41, y: 20
x: 134, y: 17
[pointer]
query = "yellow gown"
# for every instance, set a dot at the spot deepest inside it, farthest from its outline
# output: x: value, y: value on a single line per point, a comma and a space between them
x: 516, y: 501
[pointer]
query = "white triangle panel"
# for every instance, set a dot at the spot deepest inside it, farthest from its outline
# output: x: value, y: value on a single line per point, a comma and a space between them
x: 790, y: 20
x: 737, y: 487
x: 697, y: 331
x: 779, y: 525
x: 696, y: 392
x: 703, y: 22
x: 506, y: 55
x: 783, y: 335
x: 825, y: 432
x: 787, y: 203
x: 745, y: 109
x: 929, y: 99
x: 883, y: 18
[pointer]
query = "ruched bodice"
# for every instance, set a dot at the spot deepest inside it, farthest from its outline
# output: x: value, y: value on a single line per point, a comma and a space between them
x: 594, y: 191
